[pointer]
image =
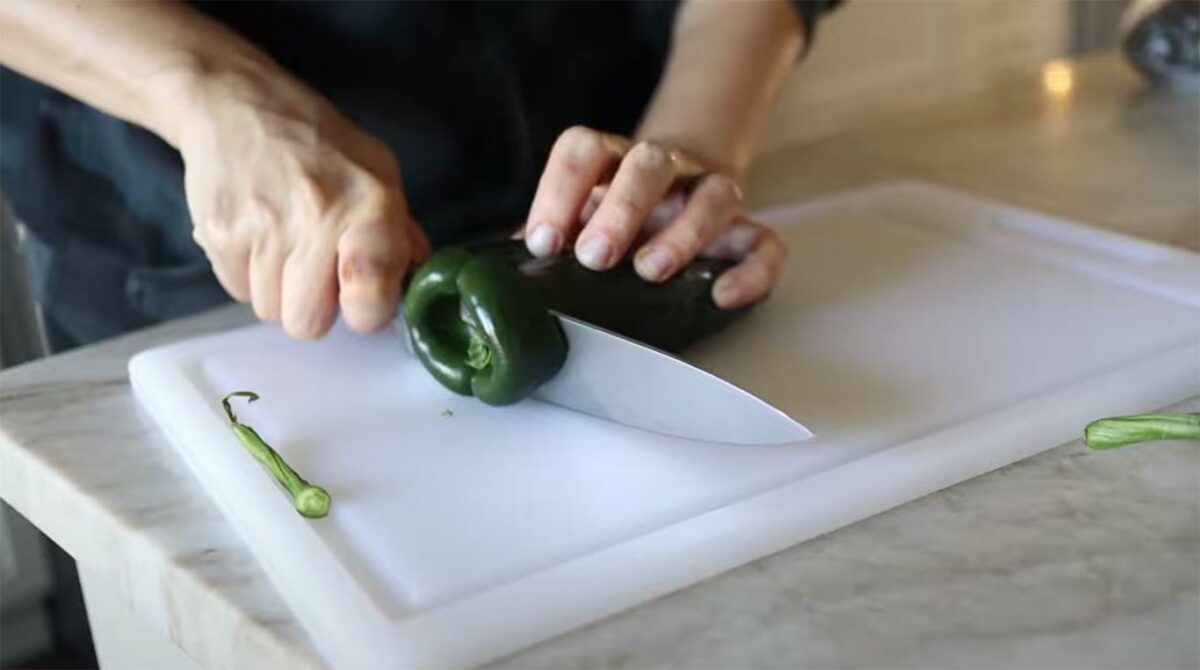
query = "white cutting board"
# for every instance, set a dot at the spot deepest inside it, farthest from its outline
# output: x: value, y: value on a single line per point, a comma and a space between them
x: 925, y: 336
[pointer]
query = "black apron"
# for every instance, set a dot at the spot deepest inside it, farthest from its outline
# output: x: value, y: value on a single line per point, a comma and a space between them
x: 469, y: 96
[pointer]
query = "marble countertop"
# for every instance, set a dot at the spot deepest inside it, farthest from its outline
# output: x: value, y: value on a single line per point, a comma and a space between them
x: 1069, y: 559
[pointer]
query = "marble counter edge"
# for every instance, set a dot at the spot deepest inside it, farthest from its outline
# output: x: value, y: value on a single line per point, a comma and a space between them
x: 159, y: 582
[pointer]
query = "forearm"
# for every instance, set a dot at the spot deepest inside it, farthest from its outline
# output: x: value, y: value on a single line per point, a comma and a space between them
x: 727, y: 63
x: 134, y: 60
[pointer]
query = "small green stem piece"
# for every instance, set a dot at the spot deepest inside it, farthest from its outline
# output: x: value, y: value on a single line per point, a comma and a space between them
x: 479, y: 355
x: 309, y: 500
x: 1120, y: 431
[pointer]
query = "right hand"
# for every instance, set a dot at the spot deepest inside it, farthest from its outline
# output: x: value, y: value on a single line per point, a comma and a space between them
x: 298, y: 209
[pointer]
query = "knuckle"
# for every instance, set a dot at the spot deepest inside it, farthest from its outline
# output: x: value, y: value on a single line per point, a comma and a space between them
x: 358, y: 265
x: 218, y: 236
x: 722, y: 187
x: 375, y: 201
x: 577, y: 134
x: 200, y: 236
x: 649, y: 156
x: 269, y: 221
x: 579, y: 147
x: 217, y: 228
x: 264, y: 218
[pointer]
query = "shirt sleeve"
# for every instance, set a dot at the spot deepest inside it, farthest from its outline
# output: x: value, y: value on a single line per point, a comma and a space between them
x: 810, y: 13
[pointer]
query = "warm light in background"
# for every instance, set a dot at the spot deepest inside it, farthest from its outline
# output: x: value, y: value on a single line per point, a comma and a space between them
x: 1058, y: 78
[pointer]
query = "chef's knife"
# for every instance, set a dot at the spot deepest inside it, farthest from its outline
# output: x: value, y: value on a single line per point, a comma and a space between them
x: 624, y: 381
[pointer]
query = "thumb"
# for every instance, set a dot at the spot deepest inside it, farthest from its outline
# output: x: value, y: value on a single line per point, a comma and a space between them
x: 374, y: 251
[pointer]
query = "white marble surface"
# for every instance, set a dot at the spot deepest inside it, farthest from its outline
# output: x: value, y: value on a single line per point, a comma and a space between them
x: 1070, y: 559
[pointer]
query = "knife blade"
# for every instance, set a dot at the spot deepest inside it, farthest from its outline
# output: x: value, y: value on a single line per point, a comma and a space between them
x: 624, y: 381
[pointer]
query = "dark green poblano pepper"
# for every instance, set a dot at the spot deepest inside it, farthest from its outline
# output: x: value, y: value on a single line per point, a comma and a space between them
x: 479, y: 315
x: 672, y: 315
x: 480, y: 328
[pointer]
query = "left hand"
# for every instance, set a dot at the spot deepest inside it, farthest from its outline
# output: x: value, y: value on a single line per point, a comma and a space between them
x: 603, y: 192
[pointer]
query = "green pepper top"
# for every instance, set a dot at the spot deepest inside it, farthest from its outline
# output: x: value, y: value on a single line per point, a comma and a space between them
x: 480, y: 329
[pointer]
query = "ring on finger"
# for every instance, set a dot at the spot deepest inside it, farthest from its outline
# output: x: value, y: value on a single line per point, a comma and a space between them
x: 685, y: 164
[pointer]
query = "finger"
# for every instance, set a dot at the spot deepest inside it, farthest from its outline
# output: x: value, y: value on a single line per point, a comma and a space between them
x: 309, y: 295
x: 232, y: 273
x: 709, y: 211
x: 265, y: 276
x: 593, y: 203
x: 230, y: 263
x: 645, y: 176
x: 763, y: 254
x: 667, y: 211
x: 373, y: 253
x: 585, y: 215
x: 579, y: 160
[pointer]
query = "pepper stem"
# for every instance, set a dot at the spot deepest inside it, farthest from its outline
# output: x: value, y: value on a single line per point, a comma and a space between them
x: 479, y: 354
x: 309, y: 500
x: 1120, y: 431
x: 252, y: 396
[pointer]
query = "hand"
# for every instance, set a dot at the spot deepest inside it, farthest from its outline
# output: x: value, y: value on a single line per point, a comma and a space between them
x: 603, y: 192
x: 298, y: 209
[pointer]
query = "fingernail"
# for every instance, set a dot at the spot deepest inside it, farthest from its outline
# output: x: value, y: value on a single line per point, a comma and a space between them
x: 595, y: 252
x: 726, y: 294
x: 654, y: 264
x: 543, y: 241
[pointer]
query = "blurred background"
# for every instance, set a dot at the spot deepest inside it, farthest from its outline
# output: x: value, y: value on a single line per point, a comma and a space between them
x: 881, y: 57
x: 872, y: 57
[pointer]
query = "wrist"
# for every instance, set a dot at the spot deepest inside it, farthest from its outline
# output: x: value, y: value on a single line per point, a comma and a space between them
x: 196, y: 84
